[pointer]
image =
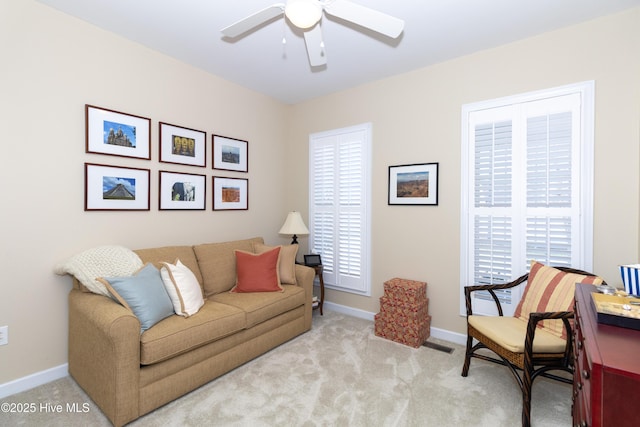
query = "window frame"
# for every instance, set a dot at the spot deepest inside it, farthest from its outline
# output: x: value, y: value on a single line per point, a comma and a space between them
x: 360, y: 285
x: 585, y: 157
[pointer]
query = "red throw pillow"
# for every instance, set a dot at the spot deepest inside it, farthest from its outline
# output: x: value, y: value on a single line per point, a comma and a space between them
x: 257, y: 272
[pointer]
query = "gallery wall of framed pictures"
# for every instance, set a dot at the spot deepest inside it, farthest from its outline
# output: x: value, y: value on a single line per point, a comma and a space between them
x: 113, y: 187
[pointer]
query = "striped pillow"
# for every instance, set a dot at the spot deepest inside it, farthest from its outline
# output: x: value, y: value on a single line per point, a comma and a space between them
x: 550, y: 290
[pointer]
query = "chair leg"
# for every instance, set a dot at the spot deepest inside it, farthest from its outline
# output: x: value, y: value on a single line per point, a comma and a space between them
x: 467, y: 356
x: 527, y: 382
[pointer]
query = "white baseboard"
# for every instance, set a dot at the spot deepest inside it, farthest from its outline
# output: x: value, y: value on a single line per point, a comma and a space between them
x: 33, y: 380
x: 355, y: 312
x: 453, y: 337
x: 442, y: 334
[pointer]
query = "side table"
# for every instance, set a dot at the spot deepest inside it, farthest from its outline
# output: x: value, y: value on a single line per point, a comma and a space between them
x: 319, y: 269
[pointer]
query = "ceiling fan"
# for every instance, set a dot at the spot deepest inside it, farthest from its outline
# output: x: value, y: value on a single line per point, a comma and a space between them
x: 306, y: 15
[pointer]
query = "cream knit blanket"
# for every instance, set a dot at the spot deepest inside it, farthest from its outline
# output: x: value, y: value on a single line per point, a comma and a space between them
x: 102, y: 261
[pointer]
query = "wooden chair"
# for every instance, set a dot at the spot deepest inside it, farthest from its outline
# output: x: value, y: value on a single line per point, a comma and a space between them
x: 521, y: 344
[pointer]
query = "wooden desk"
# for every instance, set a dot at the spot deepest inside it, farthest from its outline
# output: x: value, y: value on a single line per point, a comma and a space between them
x: 606, y: 381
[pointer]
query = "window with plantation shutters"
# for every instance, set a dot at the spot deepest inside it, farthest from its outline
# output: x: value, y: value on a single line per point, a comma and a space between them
x: 339, y: 206
x: 527, y: 184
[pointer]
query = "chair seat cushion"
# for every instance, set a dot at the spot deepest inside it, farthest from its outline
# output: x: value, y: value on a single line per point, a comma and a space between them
x: 510, y: 333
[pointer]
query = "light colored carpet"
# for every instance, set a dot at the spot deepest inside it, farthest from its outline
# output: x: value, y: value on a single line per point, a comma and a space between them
x: 338, y: 374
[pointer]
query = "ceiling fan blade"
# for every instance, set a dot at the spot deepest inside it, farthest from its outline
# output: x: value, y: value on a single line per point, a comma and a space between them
x: 252, y: 21
x: 365, y: 17
x: 315, y: 46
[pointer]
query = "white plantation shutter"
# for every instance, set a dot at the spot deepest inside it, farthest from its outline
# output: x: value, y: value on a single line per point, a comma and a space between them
x: 549, y: 160
x: 550, y: 194
x: 493, y: 164
x: 493, y: 201
x: 527, y: 188
x: 322, y: 215
x: 339, y: 206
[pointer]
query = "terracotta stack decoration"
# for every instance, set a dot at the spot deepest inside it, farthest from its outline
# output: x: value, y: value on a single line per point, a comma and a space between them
x: 404, y: 312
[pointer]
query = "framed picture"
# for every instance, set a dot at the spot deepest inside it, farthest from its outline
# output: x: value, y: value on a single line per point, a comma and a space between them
x: 117, y: 134
x: 181, y: 191
x: 230, y: 193
x: 114, y: 188
x: 230, y: 154
x: 413, y: 184
x: 182, y: 145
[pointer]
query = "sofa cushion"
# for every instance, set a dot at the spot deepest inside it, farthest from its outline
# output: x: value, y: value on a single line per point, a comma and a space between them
x: 287, y: 262
x: 169, y: 254
x: 143, y: 293
x: 183, y: 288
x: 175, y: 334
x: 261, y: 306
x: 217, y: 263
x: 257, y: 272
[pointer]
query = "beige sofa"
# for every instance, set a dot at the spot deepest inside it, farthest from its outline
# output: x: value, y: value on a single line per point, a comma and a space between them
x: 128, y: 374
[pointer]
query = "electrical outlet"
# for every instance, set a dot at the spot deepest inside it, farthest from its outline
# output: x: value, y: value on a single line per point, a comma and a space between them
x: 4, y: 335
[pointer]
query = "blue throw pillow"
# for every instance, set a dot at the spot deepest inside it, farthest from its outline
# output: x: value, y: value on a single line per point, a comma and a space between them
x: 143, y: 293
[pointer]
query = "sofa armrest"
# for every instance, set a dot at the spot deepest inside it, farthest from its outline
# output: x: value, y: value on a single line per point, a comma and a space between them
x: 104, y: 354
x: 304, y: 278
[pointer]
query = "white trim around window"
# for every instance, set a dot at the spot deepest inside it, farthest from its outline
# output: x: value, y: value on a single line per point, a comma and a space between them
x: 340, y: 206
x: 527, y: 187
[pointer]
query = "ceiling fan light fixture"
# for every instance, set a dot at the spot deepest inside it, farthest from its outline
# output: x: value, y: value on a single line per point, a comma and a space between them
x: 303, y: 13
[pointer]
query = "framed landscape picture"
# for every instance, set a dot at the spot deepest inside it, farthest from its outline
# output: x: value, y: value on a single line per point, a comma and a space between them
x: 415, y: 184
x: 230, y: 154
x: 118, y: 134
x: 182, y: 145
x: 115, y: 188
x: 230, y: 193
x: 181, y: 191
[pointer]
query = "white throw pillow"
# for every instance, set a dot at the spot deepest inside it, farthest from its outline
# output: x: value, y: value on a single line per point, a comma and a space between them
x: 101, y: 261
x: 183, y: 288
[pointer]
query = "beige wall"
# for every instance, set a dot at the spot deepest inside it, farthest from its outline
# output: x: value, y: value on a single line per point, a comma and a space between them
x: 54, y: 64
x: 417, y: 118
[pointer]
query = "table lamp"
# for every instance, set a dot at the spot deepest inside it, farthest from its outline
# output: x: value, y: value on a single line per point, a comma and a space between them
x: 294, y: 225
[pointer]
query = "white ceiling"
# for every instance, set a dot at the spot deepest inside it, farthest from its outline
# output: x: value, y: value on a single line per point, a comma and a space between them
x: 435, y: 31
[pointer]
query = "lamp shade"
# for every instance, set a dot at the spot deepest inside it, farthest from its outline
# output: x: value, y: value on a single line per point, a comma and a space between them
x: 294, y: 226
x: 303, y: 13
